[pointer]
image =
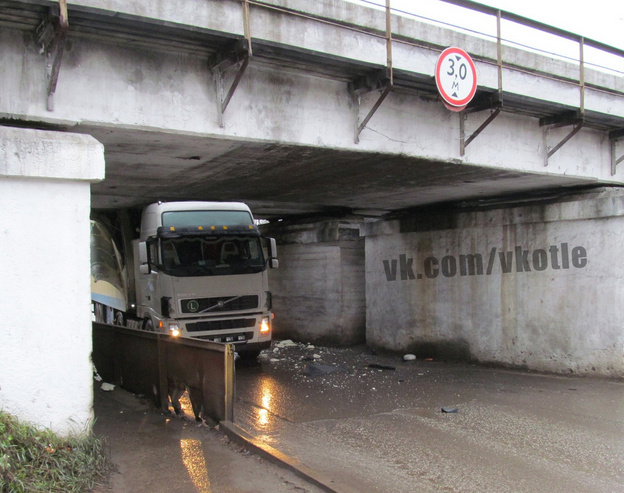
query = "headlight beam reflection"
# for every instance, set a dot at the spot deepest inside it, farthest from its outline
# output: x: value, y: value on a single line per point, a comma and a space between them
x: 193, y: 459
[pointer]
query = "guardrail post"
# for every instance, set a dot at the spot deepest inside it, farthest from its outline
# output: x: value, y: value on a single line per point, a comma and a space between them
x: 229, y: 375
x: 163, y: 375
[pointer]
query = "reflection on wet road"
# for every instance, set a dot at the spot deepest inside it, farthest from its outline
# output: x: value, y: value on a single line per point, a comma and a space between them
x: 265, y: 402
x: 193, y: 454
x: 193, y: 459
x: 375, y: 422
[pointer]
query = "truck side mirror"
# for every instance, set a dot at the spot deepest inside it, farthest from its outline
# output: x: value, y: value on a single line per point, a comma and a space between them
x: 273, y: 262
x: 143, y: 265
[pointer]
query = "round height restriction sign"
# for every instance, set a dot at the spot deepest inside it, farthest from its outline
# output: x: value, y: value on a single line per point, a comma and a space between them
x: 456, y: 77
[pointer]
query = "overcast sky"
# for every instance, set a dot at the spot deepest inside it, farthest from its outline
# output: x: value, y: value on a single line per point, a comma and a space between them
x: 602, y: 20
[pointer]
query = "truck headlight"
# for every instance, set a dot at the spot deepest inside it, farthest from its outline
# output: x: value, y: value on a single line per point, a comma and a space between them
x: 174, y: 330
x: 265, y: 326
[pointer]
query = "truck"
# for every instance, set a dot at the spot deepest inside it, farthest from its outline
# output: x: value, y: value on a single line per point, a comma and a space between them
x: 200, y: 270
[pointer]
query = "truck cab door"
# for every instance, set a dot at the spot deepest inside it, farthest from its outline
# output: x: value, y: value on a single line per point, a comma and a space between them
x: 146, y: 277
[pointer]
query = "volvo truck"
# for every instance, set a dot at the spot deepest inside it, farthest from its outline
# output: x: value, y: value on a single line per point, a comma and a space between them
x: 201, y: 270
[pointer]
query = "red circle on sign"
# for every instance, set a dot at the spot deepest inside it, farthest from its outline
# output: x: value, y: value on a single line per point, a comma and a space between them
x: 457, y: 84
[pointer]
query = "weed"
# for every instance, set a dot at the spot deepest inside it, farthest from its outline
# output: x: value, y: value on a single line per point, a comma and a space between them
x: 34, y: 460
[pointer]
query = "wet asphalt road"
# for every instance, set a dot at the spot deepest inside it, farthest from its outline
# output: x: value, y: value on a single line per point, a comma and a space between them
x: 381, y: 429
x: 156, y: 452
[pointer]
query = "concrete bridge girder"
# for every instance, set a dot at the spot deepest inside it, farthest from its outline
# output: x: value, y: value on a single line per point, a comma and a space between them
x: 156, y: 111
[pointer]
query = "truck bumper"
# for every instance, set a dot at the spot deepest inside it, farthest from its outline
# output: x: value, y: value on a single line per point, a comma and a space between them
x: 251, y: 348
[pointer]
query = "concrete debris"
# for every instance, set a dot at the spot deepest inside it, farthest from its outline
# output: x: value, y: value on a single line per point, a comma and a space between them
x: 409, y: 357
x: 449, y: 409
x: 96, y: 375
x: 286, y: 343
x: 107, y: 387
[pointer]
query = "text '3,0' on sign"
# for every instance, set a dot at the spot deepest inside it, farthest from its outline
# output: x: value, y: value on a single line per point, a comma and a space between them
x: 456, y: 78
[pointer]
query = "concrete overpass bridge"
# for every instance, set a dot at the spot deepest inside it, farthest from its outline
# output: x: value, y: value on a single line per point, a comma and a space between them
x: 324, y: 110
x: 151, y: 82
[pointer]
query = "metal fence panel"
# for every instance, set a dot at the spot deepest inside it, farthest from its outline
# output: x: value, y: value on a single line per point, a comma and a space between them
x: 159, y: 365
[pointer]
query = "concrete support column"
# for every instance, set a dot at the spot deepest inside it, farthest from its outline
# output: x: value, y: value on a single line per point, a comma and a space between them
x: 45, y: 339
x: 318, y: 290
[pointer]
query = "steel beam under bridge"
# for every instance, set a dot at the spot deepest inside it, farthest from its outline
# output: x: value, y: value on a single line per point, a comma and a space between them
x: 158, y: 365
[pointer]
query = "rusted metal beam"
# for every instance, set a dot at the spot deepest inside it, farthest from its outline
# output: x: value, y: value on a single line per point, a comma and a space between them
x: 234, y: 85
x: 582, y: 75
x: 51, y: 35
x: 246, y: 25
x: 499, y: 55
x: 572, y: 133
x: 492, y: 102
x: 388, y: 78
x: 567, y: 118
x: 463, y: 143
x: 239, y: 56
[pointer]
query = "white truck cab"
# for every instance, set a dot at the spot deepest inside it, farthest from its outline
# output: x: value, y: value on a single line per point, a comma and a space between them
x: 201, y: 271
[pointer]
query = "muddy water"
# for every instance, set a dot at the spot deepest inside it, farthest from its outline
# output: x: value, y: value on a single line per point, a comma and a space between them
x: 375, y: 423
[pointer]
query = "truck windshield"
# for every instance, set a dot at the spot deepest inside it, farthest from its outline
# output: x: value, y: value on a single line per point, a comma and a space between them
x: 209, y: 256
x: 185, y: 219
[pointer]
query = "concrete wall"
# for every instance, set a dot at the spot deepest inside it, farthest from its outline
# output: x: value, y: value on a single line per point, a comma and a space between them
x: 318, y: 290
x: 537, y: 287
x: 45, y: 341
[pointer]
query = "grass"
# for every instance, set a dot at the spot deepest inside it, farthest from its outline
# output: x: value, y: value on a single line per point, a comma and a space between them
x: 34, y: 460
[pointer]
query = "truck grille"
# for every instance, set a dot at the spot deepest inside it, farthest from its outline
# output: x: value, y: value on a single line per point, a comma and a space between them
x: 220, y: 304
x: 237, y: 323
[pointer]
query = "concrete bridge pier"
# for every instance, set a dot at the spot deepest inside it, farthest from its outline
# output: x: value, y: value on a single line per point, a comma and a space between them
x: 318, y: 291
x: 45, y: 341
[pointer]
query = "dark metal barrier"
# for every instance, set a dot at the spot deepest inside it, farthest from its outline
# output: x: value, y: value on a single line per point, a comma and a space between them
x: 162, y: 366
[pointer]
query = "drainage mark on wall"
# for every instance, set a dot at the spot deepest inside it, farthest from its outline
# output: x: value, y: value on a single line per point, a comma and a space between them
x: 556, y: 257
